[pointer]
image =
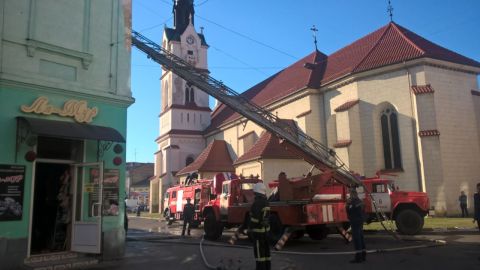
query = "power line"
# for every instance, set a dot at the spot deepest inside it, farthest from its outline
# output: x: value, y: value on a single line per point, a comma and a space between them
x: 247, y: 37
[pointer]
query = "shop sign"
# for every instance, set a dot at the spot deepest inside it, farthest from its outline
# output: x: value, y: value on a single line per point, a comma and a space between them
x: 110, y: 191
x: 12, y: 181
x: 77, y: 109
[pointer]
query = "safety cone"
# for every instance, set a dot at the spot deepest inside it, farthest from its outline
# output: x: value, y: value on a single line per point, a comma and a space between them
x: 281, y: 242
x: 347, y: 236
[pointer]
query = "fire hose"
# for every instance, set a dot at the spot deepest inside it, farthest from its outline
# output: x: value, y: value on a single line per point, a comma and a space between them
x: 431, y: 243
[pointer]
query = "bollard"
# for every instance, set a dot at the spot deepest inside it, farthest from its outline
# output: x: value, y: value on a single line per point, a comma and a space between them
x: 281, y: 242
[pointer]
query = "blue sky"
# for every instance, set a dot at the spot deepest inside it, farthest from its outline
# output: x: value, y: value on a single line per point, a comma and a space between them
x: 253, y: 39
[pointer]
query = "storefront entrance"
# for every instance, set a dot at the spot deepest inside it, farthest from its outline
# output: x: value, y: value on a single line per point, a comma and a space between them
x: 67, y: 199
x: 52, y: 208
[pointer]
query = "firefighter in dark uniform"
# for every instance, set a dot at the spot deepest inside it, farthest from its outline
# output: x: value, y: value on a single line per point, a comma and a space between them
x: 356, y: 217
x: 259, y: 227
x: 188, y: 213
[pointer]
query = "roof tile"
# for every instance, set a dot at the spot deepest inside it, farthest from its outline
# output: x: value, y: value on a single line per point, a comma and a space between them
x: 422, y: 89
x: 214, y: 158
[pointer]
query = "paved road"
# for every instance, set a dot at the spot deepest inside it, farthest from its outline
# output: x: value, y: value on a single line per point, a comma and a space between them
x: 153, y: 244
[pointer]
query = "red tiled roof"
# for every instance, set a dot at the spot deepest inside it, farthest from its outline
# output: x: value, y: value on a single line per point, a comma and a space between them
x: 283, y: 83
x: 422, y: 89
x: 267, y: 146
x: 347, y: 105
x: 388, y: 45
x: 214, y: 158
x: 430, y: 132
x: 343, y: 143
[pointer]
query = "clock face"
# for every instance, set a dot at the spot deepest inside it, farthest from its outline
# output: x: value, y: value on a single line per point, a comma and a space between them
x: 190, y: 40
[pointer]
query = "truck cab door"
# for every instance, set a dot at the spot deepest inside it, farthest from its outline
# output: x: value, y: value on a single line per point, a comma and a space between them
x: 225, y: 198
x: 382, y: 197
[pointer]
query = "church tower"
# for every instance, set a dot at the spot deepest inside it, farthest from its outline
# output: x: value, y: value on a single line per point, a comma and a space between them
x: 185, y: 111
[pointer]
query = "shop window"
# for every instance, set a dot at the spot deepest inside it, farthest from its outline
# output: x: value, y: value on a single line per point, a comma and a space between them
x: 390, y: 139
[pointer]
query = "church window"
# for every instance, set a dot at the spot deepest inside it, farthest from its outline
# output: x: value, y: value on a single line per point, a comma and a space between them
x: 189, y: 94
x: 181, y: 118
x: 188, y: 161
x: 249, y: 140
x: 190, y: 52
x: 390, y: 139
x: 188, y: 117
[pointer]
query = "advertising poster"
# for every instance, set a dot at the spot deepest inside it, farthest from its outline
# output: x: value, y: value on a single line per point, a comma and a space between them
x: 12, y: 181
x: 110, y: 190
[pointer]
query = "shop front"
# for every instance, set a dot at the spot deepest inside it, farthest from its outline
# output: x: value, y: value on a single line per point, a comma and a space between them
x: 62, y: 171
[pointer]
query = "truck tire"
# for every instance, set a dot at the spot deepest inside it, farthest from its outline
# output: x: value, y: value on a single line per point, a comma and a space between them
x: 317, y: 232
x: 213, y: 228
x: 409, y: 222
x: 167, y: 216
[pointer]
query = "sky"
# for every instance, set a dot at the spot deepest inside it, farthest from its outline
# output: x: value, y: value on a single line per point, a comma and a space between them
x: 251, y: 40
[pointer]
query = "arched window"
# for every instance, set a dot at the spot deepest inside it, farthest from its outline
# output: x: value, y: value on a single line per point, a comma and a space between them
x: 391, y: 139
x: 188, y: 161
x: 189, y: 94
x: 192, y: 95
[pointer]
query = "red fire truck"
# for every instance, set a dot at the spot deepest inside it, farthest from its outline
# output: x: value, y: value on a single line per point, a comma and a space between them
x: 200, y: 191
x: 313, y: 204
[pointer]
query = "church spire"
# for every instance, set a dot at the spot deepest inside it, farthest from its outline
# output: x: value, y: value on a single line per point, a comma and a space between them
x: 183, y: 13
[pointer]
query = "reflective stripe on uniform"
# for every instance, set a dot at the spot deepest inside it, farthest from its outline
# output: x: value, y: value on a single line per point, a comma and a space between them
x: 263, y: 259
x: 252, y: 219
x: 261, y: 230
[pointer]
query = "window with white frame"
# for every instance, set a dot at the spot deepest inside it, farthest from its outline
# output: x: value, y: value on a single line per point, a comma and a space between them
x: 390, y: 138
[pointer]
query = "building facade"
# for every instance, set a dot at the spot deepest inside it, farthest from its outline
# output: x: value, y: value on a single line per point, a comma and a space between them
x: 65, y: 89
x: 391, y: 102
x: 184, y: 110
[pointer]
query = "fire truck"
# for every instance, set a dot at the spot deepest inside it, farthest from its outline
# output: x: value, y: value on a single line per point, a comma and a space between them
x: 314, y: 203
x: 200, y: 191
x: 176, y: 197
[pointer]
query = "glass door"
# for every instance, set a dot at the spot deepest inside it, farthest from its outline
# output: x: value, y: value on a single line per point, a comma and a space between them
x: 87, y: 209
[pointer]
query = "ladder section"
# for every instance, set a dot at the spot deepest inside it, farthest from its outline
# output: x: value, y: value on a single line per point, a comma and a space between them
x: 322, y: 157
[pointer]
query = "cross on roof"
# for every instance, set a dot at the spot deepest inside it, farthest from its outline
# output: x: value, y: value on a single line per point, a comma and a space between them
x: 314, y: 30
x: 390, y: 10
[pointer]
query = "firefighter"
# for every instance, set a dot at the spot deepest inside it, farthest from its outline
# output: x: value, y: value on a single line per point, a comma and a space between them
x: 188, y: 213
x: 355, y: 216
x: 259, y: 227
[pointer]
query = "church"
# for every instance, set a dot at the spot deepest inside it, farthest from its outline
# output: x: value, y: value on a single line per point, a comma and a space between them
x: 389, y: 103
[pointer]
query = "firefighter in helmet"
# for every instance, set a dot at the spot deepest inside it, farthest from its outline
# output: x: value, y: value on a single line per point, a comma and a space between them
x: 188, y: 213
x: 259, y: 227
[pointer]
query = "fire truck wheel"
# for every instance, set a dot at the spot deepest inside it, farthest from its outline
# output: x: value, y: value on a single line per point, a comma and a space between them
x: 317, y: 232
x: 213, y: 229
x: 409, y: 222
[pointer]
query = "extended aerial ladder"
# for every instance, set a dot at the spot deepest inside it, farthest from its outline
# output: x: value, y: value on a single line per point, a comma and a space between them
x: 312, y: 151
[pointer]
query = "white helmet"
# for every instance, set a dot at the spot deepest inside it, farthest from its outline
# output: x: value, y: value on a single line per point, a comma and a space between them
x: 260, y: 188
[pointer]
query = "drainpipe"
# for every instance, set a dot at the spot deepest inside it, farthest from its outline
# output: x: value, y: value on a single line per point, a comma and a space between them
x: 420, y: 170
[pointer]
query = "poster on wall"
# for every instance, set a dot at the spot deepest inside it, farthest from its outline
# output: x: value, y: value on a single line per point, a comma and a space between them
x: 110, y: 190
x: 12, y: 181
